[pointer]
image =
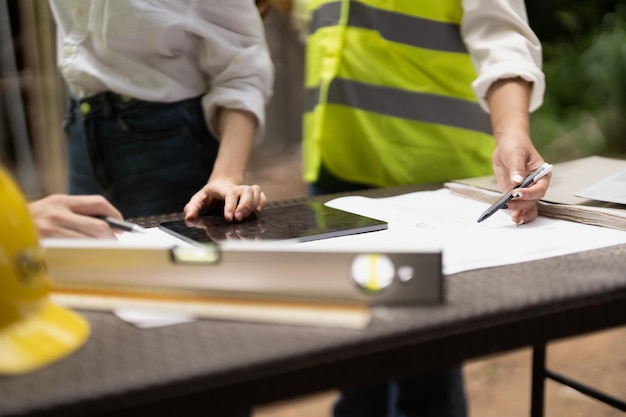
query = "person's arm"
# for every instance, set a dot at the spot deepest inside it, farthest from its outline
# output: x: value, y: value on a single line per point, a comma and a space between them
x: 226, y: 183
x: 515, y: 155
x: 235, y: 56
x: 502, y: 45
x: 509, y: 85
x: 71, y: 216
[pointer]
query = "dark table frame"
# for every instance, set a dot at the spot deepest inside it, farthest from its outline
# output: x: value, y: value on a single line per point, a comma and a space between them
x: 540, y: 373
x: 221, y: 367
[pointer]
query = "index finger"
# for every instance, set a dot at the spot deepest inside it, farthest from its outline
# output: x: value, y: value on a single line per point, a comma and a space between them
x: 92, y: 205
x: 536, y: 190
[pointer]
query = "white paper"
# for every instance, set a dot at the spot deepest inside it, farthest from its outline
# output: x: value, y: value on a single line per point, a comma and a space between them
x: 147, y: 319
x: 440, y: 218
x: 151, y: 238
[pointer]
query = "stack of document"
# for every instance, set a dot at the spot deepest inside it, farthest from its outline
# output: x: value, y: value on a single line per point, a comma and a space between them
x: 561, y: 201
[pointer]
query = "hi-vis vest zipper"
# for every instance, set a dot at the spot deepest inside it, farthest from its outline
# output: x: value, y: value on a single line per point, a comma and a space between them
x: 389, y: 97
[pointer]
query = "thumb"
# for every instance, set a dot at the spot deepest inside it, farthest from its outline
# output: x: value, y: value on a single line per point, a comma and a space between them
x: 197, y: 202
x: 191, y: 212
x: 517, y: 171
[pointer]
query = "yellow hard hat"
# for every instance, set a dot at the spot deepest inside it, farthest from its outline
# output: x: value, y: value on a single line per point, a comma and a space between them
x: 34, y: 332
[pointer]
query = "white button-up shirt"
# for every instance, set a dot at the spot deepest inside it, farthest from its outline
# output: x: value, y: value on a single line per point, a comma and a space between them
x: 502, y: 45
x: 167, y: 50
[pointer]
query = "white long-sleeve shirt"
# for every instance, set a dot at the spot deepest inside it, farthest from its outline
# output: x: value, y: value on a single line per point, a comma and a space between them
x: 502, y: 45
x: 166, y: 51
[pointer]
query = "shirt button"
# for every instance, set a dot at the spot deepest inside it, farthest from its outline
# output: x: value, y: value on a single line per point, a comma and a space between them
x: 85, y: 107
x: 68, y: 51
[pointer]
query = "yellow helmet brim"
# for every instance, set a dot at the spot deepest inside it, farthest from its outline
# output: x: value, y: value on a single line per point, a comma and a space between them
x: 40, y: 339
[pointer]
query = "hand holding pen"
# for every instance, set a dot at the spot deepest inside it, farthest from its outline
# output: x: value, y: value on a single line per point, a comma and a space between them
x: 121, y: 225
x: 76, y: 216
x: 540, y: 172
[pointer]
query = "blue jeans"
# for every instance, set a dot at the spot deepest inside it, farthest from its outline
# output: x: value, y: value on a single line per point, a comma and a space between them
x: 435, y: 394
x: 146, y: 158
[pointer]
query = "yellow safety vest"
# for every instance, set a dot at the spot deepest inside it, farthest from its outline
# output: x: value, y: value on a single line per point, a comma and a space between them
x: 389, y: 97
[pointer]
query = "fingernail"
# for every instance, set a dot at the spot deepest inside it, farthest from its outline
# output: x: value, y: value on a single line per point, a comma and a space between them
x: 518, y: 178
x: 521, y: 222
x: 505, y: 206
x: 517, y: 195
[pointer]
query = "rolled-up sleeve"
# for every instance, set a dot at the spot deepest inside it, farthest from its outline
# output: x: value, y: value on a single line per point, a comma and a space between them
x: 235, y: 55
x: 502, y: 45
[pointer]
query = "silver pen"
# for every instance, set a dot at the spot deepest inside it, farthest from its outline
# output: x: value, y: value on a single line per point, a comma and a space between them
x: 121, y: 224
x: 540, y: 172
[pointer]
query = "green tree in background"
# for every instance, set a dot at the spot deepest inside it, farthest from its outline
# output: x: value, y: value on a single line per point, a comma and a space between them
x: 584, y: 111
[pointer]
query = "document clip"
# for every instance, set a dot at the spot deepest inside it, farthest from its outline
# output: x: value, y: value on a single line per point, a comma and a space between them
x: 195, y: 255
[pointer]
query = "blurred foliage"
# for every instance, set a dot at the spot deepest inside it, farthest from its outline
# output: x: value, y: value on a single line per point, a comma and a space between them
x: 565, y: 20
x: 584, y: 110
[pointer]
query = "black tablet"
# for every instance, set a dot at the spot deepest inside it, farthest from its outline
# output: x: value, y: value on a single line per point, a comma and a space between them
x: 300, y: 222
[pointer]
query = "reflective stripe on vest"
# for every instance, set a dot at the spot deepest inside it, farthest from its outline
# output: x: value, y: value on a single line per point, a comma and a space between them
x: 408, y: 105
x: 394, y: 27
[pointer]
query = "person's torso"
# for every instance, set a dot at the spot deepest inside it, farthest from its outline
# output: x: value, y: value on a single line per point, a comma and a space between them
x: 140, y: 48
x: 389, y: 94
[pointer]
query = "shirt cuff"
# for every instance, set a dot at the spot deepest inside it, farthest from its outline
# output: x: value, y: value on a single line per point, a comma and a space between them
x: 501, y: 71
x: 251, y: 100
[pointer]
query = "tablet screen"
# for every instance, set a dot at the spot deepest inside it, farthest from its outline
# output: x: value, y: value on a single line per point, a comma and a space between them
x: 302, y: 222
